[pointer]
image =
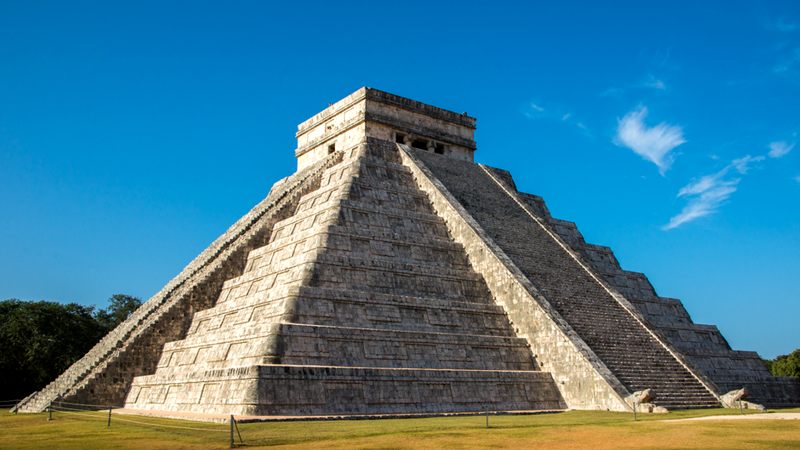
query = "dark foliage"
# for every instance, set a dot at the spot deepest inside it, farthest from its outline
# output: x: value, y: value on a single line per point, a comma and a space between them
x: 120, y: 308
x: 40, y: 340
x: 785, y: 365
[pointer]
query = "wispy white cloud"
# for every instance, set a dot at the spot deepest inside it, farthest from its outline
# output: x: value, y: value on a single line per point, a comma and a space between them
x: 537, y: 110
x: 780, y: 148
x: 649, y: 82
x: 654, y: 83
x: 788, y: 65
x: 741, y: 164
x: 611, y: 92
x: 783, y: 24
x: 708, y: 193
x: 704, y: 203
x: 661, y: 57
x: 653, y: 144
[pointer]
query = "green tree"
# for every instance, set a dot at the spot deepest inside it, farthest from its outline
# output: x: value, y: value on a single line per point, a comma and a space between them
x: 120, y: 308
x: 785, y: 365
x: 40, y: 340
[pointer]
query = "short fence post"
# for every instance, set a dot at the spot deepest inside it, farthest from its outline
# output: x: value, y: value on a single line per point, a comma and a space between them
x: 634, y: 411
x: 487, y: 417
x: 235, y: 424
x: 741, y: 411
x: 109, y: 416
x: 231, y: 430
x: 50, y: 411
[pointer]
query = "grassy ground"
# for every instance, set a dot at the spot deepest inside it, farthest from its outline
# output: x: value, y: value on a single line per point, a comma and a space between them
x: 575, y: 429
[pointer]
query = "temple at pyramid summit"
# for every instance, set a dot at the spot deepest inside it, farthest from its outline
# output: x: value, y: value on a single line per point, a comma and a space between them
x: 391, y: 274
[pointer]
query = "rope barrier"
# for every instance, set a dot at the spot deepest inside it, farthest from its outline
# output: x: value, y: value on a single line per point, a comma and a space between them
x: 170, y: 426
x: 87, y: 404
x: 59, y: 407
x: 71, y: 411
x: 9, y: 403
x: 90, y: 411
x: 82, y: 415
x: 153, y: 425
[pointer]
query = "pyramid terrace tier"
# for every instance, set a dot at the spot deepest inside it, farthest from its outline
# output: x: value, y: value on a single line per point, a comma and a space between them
x: 320, y: 390
x: 338, y: 307
x: 362, y: 274
x: 344, y: 346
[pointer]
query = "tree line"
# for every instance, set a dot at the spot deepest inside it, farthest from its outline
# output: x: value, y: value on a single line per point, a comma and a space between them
x: 785, y: 365
x: 40, y: 340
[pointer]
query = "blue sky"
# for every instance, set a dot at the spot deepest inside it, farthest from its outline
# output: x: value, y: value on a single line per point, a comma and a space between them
x: 133, y: 134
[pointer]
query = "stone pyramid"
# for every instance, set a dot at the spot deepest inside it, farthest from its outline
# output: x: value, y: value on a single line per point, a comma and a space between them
x: 391, y: 274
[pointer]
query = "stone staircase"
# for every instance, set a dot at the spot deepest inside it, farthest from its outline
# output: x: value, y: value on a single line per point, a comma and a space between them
x: 704, y: 345
x: 634, y: 352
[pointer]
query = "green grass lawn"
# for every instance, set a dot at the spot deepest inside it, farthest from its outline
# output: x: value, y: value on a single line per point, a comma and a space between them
x: 575, y: 429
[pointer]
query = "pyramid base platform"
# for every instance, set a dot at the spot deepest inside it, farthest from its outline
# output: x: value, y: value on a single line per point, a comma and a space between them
x: 285, y: 390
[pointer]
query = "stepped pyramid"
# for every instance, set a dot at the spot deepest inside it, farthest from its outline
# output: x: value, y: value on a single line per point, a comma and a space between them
x: 391, y: 274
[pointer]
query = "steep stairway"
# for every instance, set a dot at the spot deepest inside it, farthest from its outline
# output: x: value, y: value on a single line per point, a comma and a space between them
x: 704, y: 345
x: 628, y: 348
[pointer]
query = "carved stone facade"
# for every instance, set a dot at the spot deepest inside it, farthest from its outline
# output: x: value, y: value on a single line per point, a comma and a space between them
x: 391, y: 274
